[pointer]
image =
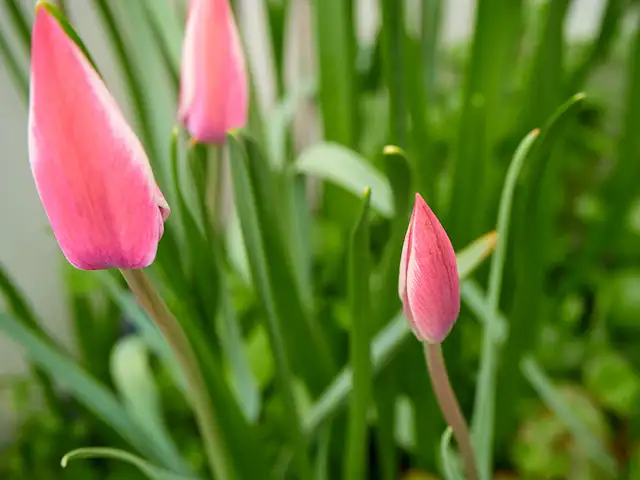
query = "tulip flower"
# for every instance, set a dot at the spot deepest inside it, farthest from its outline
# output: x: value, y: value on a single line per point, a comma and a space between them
x: 213, y: 78
x: 90, y: 170
x: 429, y: 286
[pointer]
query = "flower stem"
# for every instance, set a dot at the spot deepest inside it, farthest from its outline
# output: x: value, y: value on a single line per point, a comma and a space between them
x: 449, y: 406
x: 172, y: 331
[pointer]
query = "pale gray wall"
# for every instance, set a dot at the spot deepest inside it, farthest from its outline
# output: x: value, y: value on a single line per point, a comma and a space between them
x: 31, y: 254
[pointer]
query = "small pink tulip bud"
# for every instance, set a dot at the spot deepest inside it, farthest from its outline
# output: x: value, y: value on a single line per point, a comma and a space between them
x: 429, y: 286
x: 90, y: 170
x: 213, y: 78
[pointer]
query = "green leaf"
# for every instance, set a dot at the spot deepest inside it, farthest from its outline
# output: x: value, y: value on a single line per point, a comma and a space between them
x: 387, y: 343
x: 450, y: 463
x: 336, y: 46
x: 393, y: 47
x: 256, y: 201
x: 17, y: 304
x: 20, y: 22
x: 484, y: 405
x: 545, y: 389
x: 275, y: 285
x: 609, y: 27
x: 280, y: 120
x: 474, y: 298
x: 168, y: 33
x: 242, y: 379
x: 133, y: 378
x: 345, y: 168
x: 532, y: 222
x: 498, y: 25
x: 356, y: 459
x: 14, y: 67
x: 93, y: 395
x: 149, y: 470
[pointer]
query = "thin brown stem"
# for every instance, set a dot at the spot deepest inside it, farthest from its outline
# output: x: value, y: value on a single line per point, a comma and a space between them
x: 172, y: 331
x: 449, y: 406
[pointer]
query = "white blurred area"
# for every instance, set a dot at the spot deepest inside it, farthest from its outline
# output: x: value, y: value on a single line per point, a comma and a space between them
x: 31, y: 254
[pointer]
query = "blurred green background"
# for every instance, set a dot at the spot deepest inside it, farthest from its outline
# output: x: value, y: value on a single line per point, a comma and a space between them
x: 454, y: 84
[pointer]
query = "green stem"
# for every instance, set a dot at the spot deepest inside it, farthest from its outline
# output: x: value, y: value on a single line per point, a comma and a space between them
x: 179, y: 343
x: 449, y: 406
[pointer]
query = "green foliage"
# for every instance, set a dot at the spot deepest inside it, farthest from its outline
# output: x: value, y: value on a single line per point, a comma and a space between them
x: 288, y: 299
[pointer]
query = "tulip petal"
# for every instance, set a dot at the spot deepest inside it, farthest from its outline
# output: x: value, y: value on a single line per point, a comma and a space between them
x: 433, y: 286
x: 213, y: 80
x: 90, y: 170
x: 404, y: 260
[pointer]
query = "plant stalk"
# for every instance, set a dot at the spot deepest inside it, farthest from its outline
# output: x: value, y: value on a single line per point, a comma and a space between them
x: 449, y: 406
x: 172, y: 331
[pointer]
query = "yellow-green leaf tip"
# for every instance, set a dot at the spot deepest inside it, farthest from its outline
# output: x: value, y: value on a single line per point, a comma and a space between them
x: 41, y: 4
x: 580, y: 96
x: 367, y: 193
x: 64, y: 461
x: 392, y: 150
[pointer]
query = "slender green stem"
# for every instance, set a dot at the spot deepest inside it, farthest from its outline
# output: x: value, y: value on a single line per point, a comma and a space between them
x: 179, y: 343
x: 449, y: 406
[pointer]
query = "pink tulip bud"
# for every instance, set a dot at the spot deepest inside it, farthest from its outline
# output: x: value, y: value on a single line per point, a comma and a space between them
x: 90, y: 170
x: 429, y: 286
x: 213, y: 78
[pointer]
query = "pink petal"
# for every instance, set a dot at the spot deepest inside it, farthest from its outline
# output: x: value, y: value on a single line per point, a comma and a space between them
x: 433, y: 285
x: 404, y: 260
x: 90, y: 170
x: 213, y: 79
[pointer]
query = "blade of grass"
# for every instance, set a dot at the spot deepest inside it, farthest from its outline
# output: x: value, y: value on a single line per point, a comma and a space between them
x: 387, y: 343
x: 450, y: 464
x: 336, y: 66
x: 93, y: 395
x: 249, y: 198
x: 495, y: 36
x: 149, y: 470
x: 392, y: 54
x: 474, y: 298
x: 484, y: 405
x: 432, y: 13
x: 20, y: 23
x: 216, y: 445
x: 14, y: 67
x: 18, y: 306
x: 620, y: 188
x: 546, y: 76
x: 601, y: 45
x: 355, y: 465
x: 532, y: 240
x: 258, y: 204
x: 133, y: 378
x: 136, y: 90
x: 385, y: 303
x: 580, y: 432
